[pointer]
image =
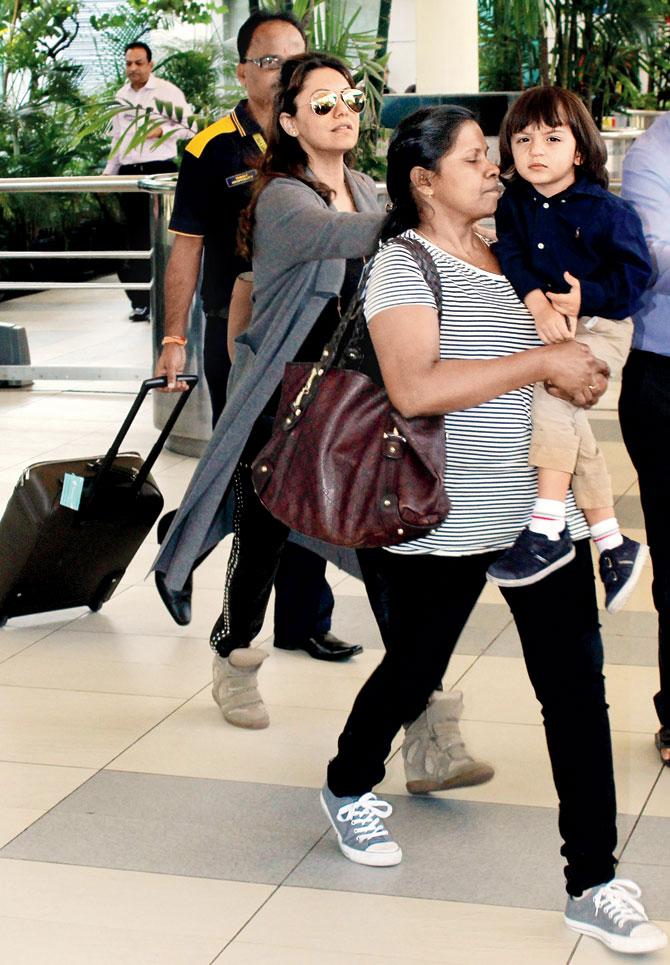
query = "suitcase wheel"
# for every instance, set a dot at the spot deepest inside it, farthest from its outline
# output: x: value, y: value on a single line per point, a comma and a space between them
x: 105, y: 590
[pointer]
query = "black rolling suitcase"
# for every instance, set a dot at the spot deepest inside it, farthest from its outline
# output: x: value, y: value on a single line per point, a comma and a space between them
x: 71, y: 528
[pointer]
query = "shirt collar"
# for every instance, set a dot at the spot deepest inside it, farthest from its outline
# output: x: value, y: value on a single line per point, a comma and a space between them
x: 583, y: 186
x: 246, y: 119
x: 150, y: 85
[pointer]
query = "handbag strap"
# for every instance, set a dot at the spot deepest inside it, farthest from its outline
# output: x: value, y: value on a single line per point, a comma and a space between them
x: 344, y: 348
x: 354, y: 352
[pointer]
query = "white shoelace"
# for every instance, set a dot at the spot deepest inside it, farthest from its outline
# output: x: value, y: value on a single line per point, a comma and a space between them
x: 618, y: 901
x: 365, y: 816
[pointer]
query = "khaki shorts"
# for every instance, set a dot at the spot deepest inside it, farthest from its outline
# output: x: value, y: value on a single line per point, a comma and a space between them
x: 562, y: 438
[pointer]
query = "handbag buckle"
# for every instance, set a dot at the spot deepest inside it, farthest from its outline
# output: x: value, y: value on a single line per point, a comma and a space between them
x: 392, y: 444
x: 395, y: 435
x: 297, y: 402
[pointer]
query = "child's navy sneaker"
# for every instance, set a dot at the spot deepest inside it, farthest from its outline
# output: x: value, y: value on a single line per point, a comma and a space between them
x: 620, y: 570
x: 532, y: 557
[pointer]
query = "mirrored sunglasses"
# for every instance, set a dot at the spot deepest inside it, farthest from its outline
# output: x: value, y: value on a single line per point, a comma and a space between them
x: 323, y: 102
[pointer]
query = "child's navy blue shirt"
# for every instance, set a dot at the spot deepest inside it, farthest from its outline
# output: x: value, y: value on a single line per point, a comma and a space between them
x: 585, y: 230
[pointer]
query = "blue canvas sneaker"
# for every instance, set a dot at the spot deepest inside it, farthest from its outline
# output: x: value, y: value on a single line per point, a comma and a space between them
x: 620, y: 570
x: 360, y: 830
x: 532, y: 557
x: 614, y: 915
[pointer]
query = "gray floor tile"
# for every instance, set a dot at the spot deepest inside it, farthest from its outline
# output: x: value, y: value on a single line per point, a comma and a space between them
x: 629, y: 512
x: 628, y: 638
x: 354, y: 622
x: 606, y: 430
x: 629, y: 623
x: 629, y: 650
x: 653, y: 880
x: 492, y: 617
x: 626, y: 649
x: 487, y: 623
x: 650, y: 842
x: 507, y: 644
x: 456, y: 851
x: 473, y: 641
x: 179, y: 826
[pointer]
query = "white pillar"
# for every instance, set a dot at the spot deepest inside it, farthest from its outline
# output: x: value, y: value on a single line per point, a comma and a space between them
x: 447, y: 37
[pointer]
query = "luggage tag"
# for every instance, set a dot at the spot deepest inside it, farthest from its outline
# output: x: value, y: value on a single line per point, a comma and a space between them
x: 73, y: 487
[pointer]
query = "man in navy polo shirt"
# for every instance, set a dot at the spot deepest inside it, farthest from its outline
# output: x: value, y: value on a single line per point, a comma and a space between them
x: 213, y: 189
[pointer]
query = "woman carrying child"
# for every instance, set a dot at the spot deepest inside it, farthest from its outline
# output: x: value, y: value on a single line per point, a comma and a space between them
x: 472, y: 356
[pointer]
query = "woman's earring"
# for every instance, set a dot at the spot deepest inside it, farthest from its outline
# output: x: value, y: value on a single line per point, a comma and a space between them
x: 288, y: 126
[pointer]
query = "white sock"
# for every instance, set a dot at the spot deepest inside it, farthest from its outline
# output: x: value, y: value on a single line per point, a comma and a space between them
x: 548, y: 517
x: 606, y: 535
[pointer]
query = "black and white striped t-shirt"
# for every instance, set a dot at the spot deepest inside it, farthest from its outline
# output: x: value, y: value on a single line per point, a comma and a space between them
x: 489, y: 481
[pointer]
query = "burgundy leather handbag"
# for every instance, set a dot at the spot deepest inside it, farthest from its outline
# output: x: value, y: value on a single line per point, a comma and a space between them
x: 342, y: 465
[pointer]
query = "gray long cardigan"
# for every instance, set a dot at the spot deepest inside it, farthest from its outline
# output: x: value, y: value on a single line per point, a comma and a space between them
x: 300, y: 247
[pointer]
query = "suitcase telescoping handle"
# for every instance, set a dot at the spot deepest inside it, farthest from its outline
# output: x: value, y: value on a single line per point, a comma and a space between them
x: 157, y: 383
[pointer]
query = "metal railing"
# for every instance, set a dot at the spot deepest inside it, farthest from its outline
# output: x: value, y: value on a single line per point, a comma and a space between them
x: 161, y: 188
x: 194, y: 426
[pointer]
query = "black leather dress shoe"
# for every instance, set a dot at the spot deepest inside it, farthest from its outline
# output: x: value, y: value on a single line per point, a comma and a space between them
x: 177, y: 602
x: 324, y: 646
x: 663, y: 743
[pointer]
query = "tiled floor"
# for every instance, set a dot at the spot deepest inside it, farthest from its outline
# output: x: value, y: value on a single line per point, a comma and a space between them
x: 136, y: 826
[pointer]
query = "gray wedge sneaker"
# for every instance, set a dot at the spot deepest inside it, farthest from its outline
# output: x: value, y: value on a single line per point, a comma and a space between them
x: 434, y: 752
x: 235, y: 688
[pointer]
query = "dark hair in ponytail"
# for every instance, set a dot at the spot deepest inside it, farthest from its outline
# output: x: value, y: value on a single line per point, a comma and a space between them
x: 420, y: 140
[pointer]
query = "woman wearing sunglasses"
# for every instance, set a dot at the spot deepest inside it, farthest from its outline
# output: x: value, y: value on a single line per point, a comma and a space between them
x: 312, y: 221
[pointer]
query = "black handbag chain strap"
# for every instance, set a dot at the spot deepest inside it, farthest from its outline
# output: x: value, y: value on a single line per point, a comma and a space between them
x: 344, y: 350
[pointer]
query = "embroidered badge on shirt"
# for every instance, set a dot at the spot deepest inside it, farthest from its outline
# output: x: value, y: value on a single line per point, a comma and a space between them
x: 242, y: 178
x: 261, y: 143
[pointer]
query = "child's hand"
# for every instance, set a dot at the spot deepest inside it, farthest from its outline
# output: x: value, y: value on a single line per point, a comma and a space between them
x: 552, y: 327
x: 570, y: 302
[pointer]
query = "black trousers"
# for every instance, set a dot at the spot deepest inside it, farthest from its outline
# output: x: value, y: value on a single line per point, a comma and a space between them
x: 421, y: 604
x: 216, y: 360
x: 261, y: 554
x: 137, y: 232
x: 644, y: 412
x: 260, y: 557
